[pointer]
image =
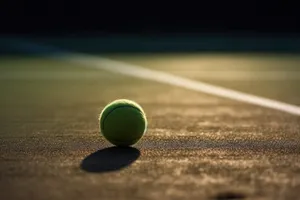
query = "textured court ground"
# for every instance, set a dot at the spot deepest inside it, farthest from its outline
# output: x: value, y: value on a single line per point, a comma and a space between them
x: 197, y: 146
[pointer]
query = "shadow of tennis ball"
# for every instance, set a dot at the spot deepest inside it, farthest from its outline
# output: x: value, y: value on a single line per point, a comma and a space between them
x: 110, y: 159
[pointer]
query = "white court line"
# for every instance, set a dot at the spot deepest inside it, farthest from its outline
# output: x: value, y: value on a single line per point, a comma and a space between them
x: 158, y: 76
x: 241, y: 75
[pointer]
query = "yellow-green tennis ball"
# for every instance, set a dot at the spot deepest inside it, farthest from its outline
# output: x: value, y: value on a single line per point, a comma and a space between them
x: 123, y: 122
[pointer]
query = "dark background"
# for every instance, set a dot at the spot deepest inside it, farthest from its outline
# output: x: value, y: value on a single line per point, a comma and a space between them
x: 101, y: 18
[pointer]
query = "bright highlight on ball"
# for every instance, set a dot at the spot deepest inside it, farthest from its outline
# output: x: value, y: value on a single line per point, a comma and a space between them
x: 123, y: 122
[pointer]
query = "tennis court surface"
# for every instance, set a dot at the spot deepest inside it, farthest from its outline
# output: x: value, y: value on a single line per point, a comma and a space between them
x: 197, y: 146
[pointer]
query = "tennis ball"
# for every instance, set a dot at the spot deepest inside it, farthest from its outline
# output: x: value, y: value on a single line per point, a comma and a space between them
x: 123, y: 122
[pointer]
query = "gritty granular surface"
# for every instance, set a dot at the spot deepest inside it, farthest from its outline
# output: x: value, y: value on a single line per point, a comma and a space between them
x: 196, y: 147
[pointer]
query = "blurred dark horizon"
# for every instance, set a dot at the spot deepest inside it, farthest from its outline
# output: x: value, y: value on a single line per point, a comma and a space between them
x: 63, y: 18
x: 103, y: 26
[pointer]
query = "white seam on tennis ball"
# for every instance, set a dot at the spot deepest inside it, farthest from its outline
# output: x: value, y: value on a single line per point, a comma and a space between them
x: 96, y: 62
x: 127, y: 106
